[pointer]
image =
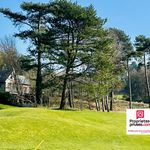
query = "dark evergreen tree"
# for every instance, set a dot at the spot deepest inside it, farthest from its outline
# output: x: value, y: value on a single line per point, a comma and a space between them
x: 142, y: 44
x: 123, y: 54
x: 77, y: 28
x: 32, y: 21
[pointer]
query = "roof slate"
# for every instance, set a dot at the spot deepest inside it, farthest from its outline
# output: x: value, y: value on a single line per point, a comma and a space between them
x: 4, y: 74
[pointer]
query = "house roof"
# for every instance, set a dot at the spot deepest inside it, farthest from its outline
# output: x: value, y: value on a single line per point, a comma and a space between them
x: 4, y: 74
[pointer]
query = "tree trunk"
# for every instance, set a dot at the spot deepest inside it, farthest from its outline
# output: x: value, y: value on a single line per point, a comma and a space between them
x: 69, y: 98
x: 39, y: 80
x: 111, y: 100
x: 96, y: 105
x: 39, y: 68
x: 146, y: 77
x: 107, y: 107
x: 103, y: 106
x: 129, y: 85
x: 63, y: 96
x: 72, y: 93
x: 145, y: 93
x: 80, y: 93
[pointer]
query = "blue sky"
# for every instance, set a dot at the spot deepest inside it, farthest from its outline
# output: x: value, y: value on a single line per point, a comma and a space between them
x: 131, y: 16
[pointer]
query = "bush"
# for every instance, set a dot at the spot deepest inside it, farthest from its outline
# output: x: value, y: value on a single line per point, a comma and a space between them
x: 5, y: 98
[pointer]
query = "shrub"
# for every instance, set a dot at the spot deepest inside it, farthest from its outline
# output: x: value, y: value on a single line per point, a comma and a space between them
x: 5, y: 98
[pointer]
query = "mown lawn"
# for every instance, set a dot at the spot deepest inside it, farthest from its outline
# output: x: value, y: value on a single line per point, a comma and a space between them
x: 39, y: 128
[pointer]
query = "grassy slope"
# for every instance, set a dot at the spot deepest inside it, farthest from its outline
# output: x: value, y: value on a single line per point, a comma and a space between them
x: 37, y: 128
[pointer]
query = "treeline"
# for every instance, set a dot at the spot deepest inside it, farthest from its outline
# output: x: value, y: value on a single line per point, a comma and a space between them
x: 71, y: 55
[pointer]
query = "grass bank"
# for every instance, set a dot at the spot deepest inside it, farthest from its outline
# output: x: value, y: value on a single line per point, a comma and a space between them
x: 38, y: 128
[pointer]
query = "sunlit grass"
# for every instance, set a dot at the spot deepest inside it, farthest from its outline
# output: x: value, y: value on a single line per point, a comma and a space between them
x: 39, y: 128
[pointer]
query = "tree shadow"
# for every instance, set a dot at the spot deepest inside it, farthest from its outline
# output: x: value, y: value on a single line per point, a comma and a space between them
x: 4, y: 106
x: 66, y: 109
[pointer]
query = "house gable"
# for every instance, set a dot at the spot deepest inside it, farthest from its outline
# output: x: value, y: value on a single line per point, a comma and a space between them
x: 4, y: 75
x: 10, y: 85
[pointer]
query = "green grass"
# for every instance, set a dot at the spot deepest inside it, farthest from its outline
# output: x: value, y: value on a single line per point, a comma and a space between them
x: 38, y: 128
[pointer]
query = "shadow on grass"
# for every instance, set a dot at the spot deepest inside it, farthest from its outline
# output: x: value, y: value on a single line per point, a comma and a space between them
x: 66, y: 109
x: 4, y: 106
x: 1, y: 108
